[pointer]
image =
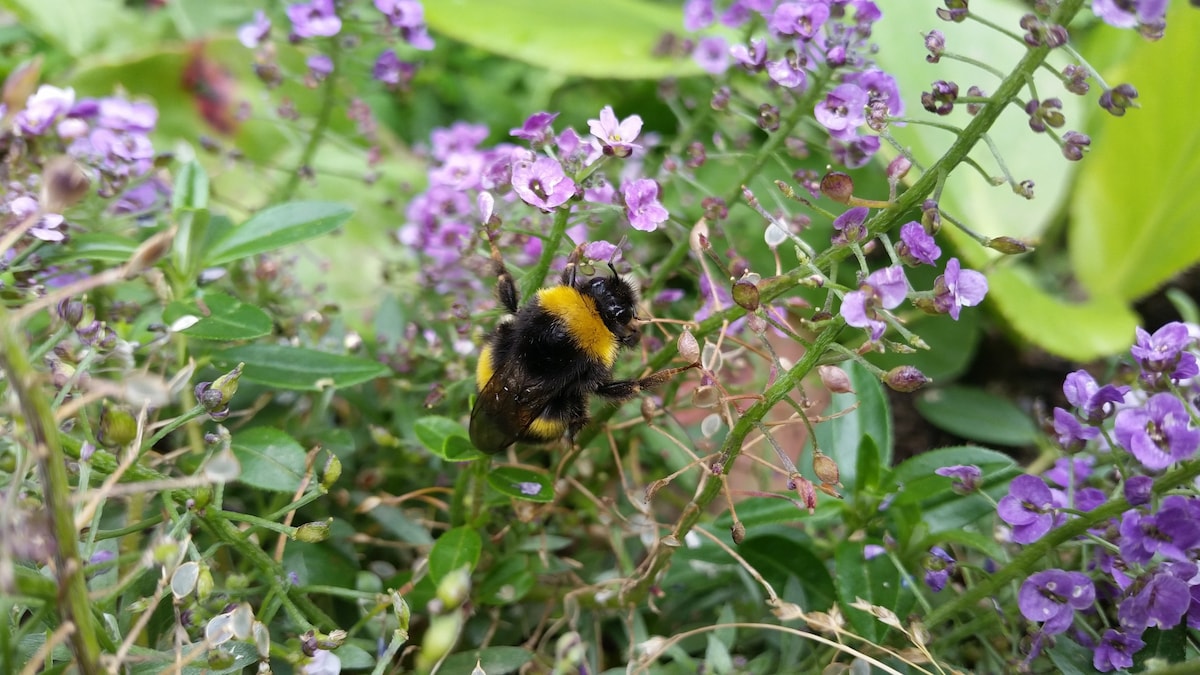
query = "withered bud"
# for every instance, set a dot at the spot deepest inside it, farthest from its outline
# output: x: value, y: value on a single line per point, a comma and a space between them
x: 649, y: 409
x: 21, y: 83
x: 826, y: 469
x: 898, y: 168
x: 835, y: 379
x: 698, y: 241
x: 905, y: 379
x: 756, y: 323
x: 738, y: 531
x: 745, y: 294
x: 149, y: 253
x: 64, y: 183
x: 688, y: 347
x: 837, y: 186
x: 1008, y: 245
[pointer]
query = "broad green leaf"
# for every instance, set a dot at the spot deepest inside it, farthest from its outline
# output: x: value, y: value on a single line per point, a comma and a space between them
x: 507, y: 582
x: 445, y: 438
x: 270, y: 459
x: 276, y: 227
x: 876, y: 580
x: 222, y: 317
x: 77, y: 27
x: 866, y: 413
x: 611, y: 39
x: 456, y: 548
x: 520, y: 483
x: 976, y: 415
x: 99, y: 247
x: 144, y: 661
x: 299, y: 368
x: 189, y: 202
x: 493, y: 660
x: 460, y: 449
x: 984, y: 543
x: 1070, y: 658
x: 400, y: 525
x: 1133, y: 224
x: 952, y: 346
x: 778, y: 557
x: 318, y: 564
x: 353, y: 657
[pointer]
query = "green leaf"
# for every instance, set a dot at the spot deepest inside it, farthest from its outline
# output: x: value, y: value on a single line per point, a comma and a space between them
x: 611, y: 39
x: 98, y: 247
x: 189, y: 202
x: 77, y: 27
x: 876, y: 580
x: 520, y: 483
x: 493, y: 660
x: 778, y: 557
x: 400, y: 525
x: 976, y: 415
x: 318, y: 564
x: 456, y: 548
x: 222, y: 317
x: 1070, y: 658
x: 278, y: 226
x: 1132, y: 226
x: 446, y: 438
x: 270, y: 459
x: 507, y: 582
x: 866, y: 413
x: 299, y: 368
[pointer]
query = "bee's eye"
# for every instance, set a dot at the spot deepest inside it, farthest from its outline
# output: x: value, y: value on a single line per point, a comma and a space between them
x: 623, y: 314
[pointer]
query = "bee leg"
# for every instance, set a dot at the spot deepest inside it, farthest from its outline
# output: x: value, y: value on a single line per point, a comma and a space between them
x: 623, y: 390
x: 506, y: 288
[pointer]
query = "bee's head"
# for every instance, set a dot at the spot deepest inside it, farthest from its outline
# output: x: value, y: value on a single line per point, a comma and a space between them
x: 616, y: 301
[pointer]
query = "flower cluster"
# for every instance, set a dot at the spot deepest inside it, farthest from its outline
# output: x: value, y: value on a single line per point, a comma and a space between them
x: 799, y: 45
x: 64, y: 148
x: 1123, y: 438
x: 473, y: 186
x: 397, y: 19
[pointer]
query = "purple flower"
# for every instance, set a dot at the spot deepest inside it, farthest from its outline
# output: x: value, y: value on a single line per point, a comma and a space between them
x: 1161, y: 600
x: 938, y: 568
x: 849, y: 226
x: 536, y: 128
x: 966, y: 477
x: 642, y: 207
x: 616, y: 136
x: 880, y: 86
x: 1071, y: 472
x: 390, y: 70
x: 855, y: 152
x: 885, y: 288
x: 1137, y: 490
x: 542, y: 183
x: 842, y: 110
x: 802, y: 19
x: 1070, y: 434
x: 314, y: 19
x: 872, y: 551
x: 1172, y: 532
x: 119, y: 114
x: 1163, y: 352
x: 577, y: 151
x: 1126, y: 14
x: 409, y: 17
x: 1115, y: 651
x: 787, y: 72
x: 459, y: 137
x: 916, y: 245
x: 958, y: 288
x: 319, y: 66
x: 1095, y: 403
x: 41, y: 109
x: 1028, y: 508
x: 1052, y: 596
x: 697, y: 15
x: 1158, y: 434
x: 529, y: 487
x: 252, y: 34
x: 753, y: 57
x: 712, y: 55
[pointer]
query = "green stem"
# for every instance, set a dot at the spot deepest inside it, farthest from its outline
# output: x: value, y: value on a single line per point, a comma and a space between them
x: 324, y: 115
x: 73, y: 602
x: 537, y: 276
x: 256, y: 521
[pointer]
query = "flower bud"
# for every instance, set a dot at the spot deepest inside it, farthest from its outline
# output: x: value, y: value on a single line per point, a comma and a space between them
x: 439, y: 640
x: 204, y: 584
x: 454, y: 587
x: 1008, y: 245
x: 688, y: 347
x: 738, y: 532
x: 313, y: 532
x: 826, y: 469
x: 837, y: 186
x: 402, y: 610
x: 905, y: 379
x: 227, y: 384
x: 64, y: 183
x: 745, y: 294
x: 835, y: 379
x: 331, y: 472
x: 117, y: 427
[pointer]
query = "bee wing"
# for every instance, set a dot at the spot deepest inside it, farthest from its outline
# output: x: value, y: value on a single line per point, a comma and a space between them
x: 505, y: 408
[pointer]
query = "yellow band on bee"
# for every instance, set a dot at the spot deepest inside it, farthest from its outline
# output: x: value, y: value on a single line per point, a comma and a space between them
x: 546, y: 430
x: 577, y: 313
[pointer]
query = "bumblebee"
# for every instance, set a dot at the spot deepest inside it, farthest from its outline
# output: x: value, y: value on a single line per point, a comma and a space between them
x: 542, y: 363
